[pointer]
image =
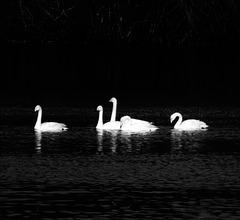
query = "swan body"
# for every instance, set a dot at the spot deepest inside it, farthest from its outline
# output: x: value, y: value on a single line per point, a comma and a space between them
x: 131, y: 124
x: 114, y: 109
x: 108, y: 125
x: 47, y: 126
x: 190, y: 124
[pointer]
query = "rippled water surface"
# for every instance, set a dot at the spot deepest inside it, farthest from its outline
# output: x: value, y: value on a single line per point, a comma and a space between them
x: 88, y: 174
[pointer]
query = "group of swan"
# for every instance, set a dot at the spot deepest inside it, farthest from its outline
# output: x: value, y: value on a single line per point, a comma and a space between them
x: 130, y: 124
x: 112, y: 124
x: 126, y: 122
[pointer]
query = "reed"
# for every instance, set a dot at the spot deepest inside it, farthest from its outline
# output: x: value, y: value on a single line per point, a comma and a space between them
x: 166, y: 22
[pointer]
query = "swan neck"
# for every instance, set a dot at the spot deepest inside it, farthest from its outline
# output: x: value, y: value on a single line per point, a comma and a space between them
x: 114, y: 111
x: 100, y: 120
x: 39, y: 119
x: 179, y: 122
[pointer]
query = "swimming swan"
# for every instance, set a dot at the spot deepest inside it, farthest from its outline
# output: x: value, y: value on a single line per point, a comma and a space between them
x: 190, y: 124
x: 108, y: 125
x: 131, y: 124
x: 114, y: 109
x: 47, y: 126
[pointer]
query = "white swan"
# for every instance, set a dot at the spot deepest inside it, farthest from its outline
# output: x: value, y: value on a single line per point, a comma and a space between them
x: 114, y: 109
x: 108, y: 125
x: 131, y: 124
x: 190, y: 124
x: 47, y: 126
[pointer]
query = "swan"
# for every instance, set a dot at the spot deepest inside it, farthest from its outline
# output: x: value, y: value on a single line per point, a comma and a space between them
x: 114, y: 109
x: 108, y: 125
x: 47, y: 126
x: 190, y: 124
x: 131, y: 124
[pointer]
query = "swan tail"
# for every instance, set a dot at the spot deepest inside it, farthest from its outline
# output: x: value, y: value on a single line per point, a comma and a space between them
x: 204, y: 125
x: 64, y: 127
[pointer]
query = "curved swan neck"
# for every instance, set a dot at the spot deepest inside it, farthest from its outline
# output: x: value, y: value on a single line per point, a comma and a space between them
x: 39, y: 119
x: 100, y: 119
x: 179, y: 122
x: 114, y: 111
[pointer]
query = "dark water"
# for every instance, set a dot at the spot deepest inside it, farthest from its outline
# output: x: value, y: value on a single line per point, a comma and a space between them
x: 86, y: 174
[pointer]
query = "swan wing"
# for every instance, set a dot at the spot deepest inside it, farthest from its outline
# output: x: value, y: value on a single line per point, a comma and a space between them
x: 192, y: 124
x: 53, y: 126
x: 138, y: 121
x: 139, y: 125
x: 146, y: 127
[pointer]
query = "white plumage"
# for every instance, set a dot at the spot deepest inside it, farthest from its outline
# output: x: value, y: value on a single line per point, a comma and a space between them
x: 190, y: 124
x: 131, y: 124
x: 108, y: 125
x: 47, y: 126
x: 114, y: 109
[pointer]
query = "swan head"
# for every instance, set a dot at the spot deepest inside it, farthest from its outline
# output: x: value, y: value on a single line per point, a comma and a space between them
x: 124, y: 121
x: 37, y: 108
x: 113, y: 100
x: 174, y: 116
x: 99, y: 108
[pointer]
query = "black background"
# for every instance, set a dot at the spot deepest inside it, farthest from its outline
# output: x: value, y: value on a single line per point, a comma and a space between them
x: 162, y: 52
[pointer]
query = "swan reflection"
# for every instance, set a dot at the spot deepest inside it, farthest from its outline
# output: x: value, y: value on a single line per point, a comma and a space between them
x: 100, y: 139
x: 138, y: 139
x: 187, y: 139
x: 121, y: 141
x: 126, y: 140
x: 113, y: 140
x: 38, y: 141
x: 107, y: 139
x: 49, y: 138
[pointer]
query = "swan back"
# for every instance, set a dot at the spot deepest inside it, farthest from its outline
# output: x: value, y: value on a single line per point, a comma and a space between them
x: 53, y: 126
x: 130, y: 124
x: 112, y: 125
x: 193, y: 124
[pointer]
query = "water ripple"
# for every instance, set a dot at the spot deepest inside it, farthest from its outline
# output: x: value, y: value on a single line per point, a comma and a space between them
x: 88, y: 174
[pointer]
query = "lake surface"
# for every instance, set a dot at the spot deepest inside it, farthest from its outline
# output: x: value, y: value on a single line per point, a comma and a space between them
x: 88, y: 174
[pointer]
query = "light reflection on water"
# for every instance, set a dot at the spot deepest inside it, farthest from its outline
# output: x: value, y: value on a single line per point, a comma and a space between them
x: 87, y: 173
x: 187, y: 139
x: 124, y: 141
